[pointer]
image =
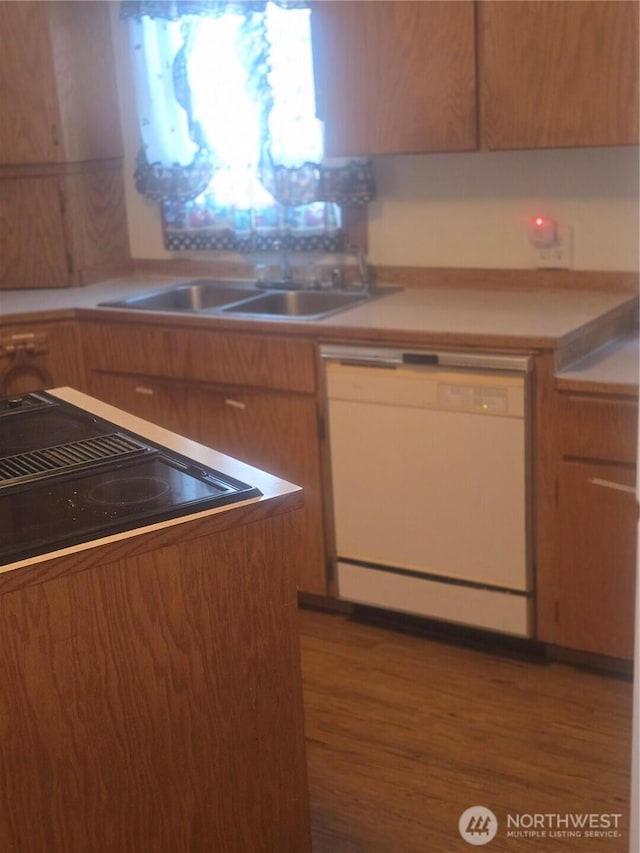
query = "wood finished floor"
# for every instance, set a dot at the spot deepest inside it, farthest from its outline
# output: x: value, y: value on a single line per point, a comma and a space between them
x: 406, y: 732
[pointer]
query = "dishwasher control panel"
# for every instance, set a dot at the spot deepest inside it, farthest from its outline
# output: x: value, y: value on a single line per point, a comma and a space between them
x: 459, y: 391
x: 473, y: 398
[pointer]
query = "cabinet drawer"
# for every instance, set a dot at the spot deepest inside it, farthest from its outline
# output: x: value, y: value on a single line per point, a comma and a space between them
x: 592, y: 428
x: 201, y: 355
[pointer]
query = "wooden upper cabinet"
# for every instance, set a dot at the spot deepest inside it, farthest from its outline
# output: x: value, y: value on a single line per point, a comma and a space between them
x: 558, y: 74
x: 395, y: 76
x: 58, y: 96
x: 62, y: 198
x: 29, y: 112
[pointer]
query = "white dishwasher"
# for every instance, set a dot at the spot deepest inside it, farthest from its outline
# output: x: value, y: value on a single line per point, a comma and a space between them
x: 430, y: 470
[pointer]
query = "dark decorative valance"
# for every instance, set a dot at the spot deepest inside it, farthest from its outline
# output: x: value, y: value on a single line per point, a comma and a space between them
x: 173, y: 10
x: 353, y: 183
x: 157, y: 182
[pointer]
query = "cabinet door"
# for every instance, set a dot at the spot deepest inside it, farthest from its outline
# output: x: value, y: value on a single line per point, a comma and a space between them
x: 272, y: 430
x: 558, y: 74
x: 394, y: 77
x: 81, y: 44
x: 596, y: 558
x: 33, y: 243
x: 65, y: 229
x: 95, y: 220
x: 28, y: 103
x: 58, y: 96
x: 37, y: 356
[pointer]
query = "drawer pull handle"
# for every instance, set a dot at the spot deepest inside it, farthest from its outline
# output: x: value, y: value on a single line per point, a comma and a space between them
x: 142, y: 389
x: 18, y: 344
x: 236, y: 404
x: 611, y: 484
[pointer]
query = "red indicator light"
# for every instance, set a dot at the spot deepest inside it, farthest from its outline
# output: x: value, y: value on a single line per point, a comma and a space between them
x: 542, y: 231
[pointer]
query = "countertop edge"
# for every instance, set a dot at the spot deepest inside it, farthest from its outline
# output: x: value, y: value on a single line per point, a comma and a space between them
x: 307, y: 329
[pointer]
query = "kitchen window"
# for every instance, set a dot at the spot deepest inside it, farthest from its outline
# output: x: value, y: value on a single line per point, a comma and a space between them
x: 230, y: 144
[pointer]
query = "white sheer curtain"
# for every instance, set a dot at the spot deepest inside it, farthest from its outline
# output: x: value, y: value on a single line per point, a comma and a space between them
x: 164, y: 125
x: 296, y: 134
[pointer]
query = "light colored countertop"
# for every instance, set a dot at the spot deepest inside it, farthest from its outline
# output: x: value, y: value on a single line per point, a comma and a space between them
x: 537, y: 318
x: 527, y: 319
x: 613, y: 367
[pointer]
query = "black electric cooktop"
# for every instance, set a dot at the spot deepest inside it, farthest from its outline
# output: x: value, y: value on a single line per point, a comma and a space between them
x: 67, y: 477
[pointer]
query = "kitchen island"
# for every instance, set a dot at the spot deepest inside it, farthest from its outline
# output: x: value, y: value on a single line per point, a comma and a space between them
x: 151, y: 691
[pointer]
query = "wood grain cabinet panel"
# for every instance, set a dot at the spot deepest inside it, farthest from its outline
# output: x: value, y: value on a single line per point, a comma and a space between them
x: 95, y: 222
x: 202, y: 355
x: 58, y: 96
x: 63, y: 229
x: 395, y: 77
x: 597, y: 523
x: 586, y: 597
x: 398, y: 77
x: 560, y: 74
x: 62, y: 207
x: 245, y: 395
x: 151, y: 696
x: 37, y: 356
x: 28, y: 101
x: 33, y: 250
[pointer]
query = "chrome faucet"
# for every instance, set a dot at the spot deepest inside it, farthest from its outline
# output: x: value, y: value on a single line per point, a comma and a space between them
x: 363, y: 267
x: 285, y: 269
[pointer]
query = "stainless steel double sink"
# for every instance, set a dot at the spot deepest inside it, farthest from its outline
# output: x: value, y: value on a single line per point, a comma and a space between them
x: 213, y: 296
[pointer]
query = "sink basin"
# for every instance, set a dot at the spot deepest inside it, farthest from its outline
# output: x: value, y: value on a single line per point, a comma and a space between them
x: 244, y: 298
x: 200, y: 295
x: 297, y: 303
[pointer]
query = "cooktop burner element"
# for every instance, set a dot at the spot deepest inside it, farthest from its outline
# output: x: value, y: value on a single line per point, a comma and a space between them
x: 139, y: 490
x: 93, y: 480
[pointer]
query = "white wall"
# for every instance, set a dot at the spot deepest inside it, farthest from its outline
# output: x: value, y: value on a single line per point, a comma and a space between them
x: 471, y: 210
x: 459, y: 210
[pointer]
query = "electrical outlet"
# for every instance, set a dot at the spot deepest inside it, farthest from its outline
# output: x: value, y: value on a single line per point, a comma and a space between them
x: 558, y: 256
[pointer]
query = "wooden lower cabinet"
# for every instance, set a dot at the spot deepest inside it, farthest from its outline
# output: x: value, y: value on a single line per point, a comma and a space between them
x: 596, y: 544
x: 151, y: 693
x: 270, y: 429
x: 37, y: 356
x: 587, y: 601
